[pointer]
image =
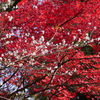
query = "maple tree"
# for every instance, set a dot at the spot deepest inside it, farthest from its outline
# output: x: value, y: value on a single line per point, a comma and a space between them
x: 50, y: 50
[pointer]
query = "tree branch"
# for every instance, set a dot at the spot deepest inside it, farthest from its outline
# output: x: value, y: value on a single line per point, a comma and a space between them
x: 34, y: 82
x: 71, y: 18
x: 9, y: 78
x: 3, y: 98
x: 67, y: 86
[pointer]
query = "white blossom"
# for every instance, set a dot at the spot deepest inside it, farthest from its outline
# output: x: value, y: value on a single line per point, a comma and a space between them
x: 95, y: 27
x: 56, y: 67
x: 47, y: 43
x: 10, y: 18
x: 0, y: 58
x: 49, y: 68
x: 1, y: 82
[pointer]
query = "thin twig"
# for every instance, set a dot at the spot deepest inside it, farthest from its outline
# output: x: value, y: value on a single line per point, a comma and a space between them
x: 4, y: 98
x: 9, y: 78
x: 71, y: 18
x: 37, y: 80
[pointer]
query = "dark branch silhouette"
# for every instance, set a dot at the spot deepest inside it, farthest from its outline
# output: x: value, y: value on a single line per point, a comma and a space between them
x: 34, y: 82
x: 9, y: 6
x: 71, y: 18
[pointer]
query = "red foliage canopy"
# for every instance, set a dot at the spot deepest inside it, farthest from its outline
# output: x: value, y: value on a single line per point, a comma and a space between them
x: 41, y: 49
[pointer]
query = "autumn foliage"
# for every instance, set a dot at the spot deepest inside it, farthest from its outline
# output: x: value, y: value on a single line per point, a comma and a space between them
x: 50, y: 50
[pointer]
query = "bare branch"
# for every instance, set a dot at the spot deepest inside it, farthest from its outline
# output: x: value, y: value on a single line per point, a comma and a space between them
x: 71, y: 18
x: 9, y: 78
x: 34, y: 82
